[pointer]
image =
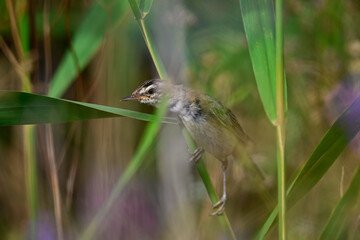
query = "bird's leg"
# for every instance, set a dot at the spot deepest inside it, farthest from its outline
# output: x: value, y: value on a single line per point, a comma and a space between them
x: 196, y: 155
x: 221, y: 202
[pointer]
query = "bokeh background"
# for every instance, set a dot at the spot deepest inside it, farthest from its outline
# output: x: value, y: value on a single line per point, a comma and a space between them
x: 202, y: 45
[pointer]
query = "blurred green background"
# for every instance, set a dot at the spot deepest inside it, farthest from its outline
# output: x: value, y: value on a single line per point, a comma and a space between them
x: 202, y: 45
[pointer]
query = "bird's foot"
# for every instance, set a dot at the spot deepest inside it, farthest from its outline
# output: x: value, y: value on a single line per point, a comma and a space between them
x: 196, y: 155
x: 220, y: 205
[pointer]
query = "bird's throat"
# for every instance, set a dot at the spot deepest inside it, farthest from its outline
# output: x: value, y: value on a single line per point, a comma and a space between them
x: 186, y: 103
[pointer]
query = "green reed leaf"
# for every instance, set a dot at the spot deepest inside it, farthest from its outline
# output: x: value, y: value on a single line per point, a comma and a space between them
x: 330, y: 147
x: 86, y: 42
x: 18, y: 108
x: 259, y: 24
x: 145, y: 7
x: 146, y: 141
x: 340, y: 217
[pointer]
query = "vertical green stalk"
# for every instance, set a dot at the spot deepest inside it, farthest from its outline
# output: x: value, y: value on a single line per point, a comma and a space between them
x: 150, y: 133
x: 21, y: 46
x: 156, y: 59
x: 50, y: 158
x: 31, y: 175
x: 280, y: 110
x: 143, y: 29
x: 146, y: 141
x: 224, y: 220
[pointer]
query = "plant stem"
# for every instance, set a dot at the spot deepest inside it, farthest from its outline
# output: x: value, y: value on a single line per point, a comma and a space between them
x: 149, y: 135
x: 156, y: 59
x: 224, y: 220
x: 280, y: 108
x: 54, y: 180
x: 26, y: 83
x: 145, y: 143
x: 28, y: 131
x: 31, y: 176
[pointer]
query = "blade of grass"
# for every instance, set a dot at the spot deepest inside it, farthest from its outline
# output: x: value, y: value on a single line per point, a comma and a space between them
x: 17, y: 108
x: 330, y: 147
x: 259, y: 24
x: 333, y: 143
x: 146, y: 141
x: 268, y: 66
x: 14, y: 30
x: 25, y: 80
x: 31, y: 176
x: 24, y: 32
x: 280, y: 124
x: 341, y: 213
x: 224, y: 220
x: 26, y: 83
x: 143, y: 29
x: 145, y: 6
x: 50, y: 152
x: 54, y: 180
x: 86, y: 42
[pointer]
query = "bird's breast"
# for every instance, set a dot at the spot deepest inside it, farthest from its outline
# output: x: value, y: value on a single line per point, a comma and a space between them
x: 216, y: 140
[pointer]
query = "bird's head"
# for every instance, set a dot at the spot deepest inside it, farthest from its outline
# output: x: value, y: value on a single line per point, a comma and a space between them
x: 149, y: 92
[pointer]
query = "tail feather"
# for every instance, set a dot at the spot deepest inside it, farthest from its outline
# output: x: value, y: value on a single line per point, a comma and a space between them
x: 257, y: 175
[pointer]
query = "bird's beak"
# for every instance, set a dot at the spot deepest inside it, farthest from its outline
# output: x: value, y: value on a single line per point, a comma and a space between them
x: 128, y: 98
x: 132, y: 97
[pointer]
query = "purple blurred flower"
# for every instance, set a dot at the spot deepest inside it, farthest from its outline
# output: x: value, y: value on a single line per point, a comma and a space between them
x: 45, y: 227
x: 338, y: 100
x: 134, y: 215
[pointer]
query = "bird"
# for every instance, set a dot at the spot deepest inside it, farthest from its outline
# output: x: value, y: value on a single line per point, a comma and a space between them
x: 212, y: 126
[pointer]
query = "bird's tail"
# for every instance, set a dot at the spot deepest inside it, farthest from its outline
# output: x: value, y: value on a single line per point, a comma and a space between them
x: 243, y: 153
x: 256, y: 175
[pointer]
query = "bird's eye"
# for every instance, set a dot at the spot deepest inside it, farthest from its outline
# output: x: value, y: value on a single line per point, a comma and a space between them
x: 151, y: 91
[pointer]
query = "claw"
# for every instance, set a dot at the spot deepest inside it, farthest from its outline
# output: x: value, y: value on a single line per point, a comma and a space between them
x: 221, y: 205
x: 195, y: 156
x: 219, y: 211
x: 220, y: 202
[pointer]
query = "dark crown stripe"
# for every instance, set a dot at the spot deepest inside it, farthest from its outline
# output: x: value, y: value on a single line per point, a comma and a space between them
x: 148, y: 83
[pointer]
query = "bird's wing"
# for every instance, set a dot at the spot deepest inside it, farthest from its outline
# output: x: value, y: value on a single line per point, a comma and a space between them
x: 226, y: 118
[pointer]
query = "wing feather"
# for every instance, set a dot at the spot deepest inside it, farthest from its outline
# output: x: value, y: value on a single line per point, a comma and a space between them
x: 227, y: 119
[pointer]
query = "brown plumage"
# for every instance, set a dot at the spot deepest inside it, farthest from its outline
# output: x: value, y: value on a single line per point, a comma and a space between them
x: 213, y: 127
